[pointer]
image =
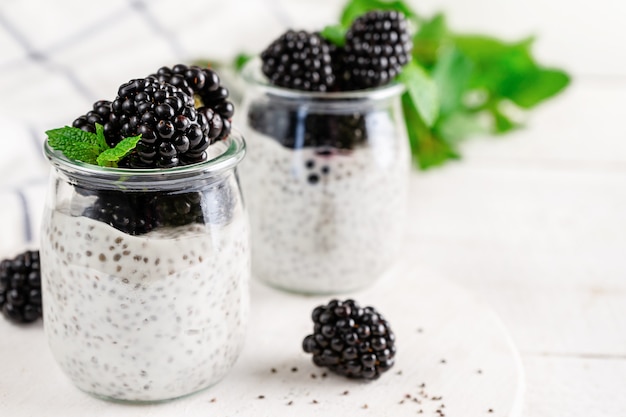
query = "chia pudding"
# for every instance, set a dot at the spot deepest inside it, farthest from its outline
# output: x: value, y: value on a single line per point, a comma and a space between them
x: 326, y: 190
x: 148, y: 317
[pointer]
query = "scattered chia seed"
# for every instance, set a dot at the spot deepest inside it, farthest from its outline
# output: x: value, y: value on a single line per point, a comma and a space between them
x: 345, y: 392
x: 260, y: 397
x: 313, y: 376
x: 443, y: 361
x: 294, y: 369
x: 290, y: 403
x: 134, y: 347
x: 365, y: 406
x: 490, y: 410
x: 314, y: 402
x: 313, y: 179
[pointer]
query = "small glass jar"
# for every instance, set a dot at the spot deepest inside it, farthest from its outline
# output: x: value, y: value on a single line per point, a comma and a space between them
x: 145, y: 274
x: 325, y: 181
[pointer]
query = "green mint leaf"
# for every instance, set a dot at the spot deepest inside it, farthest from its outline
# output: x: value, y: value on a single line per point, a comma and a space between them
x: 111, y: 157
x: 355, y: 8
x: 432, y: 34
x: 335, y: 34
x: 539, y: 86
x: 501, y: 68
x: 422, y: 92
x: 241, y: 60
x: 502, y: 123
x: 428, y: 149
x: 460, y: 125
x: 451, y: 74
x: 101, y: 140
x: 74, y: 143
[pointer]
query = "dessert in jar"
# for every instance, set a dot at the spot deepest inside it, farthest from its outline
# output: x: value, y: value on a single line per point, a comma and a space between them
x: 327, y: 172
x: 145, y: 260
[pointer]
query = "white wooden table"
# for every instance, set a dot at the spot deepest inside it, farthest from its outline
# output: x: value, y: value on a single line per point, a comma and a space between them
x: 535, y: 223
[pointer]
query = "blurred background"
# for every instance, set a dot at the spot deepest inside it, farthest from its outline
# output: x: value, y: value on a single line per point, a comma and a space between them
x: 534, y: 222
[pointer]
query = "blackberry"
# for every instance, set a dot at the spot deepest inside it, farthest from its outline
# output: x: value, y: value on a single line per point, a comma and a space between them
x: 351, y: 341
x: 203, y: 83
x: 127, y: 212
x: 177, y: 209
x: 100, y: 113
x: 20, y: 287
x: 172, y: 131
x: 296, y: 127
x: 378, y: 45
x: 299, y: 60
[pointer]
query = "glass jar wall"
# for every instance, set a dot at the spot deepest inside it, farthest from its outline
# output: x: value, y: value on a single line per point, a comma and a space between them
x: 145, y: 275
x: 326, y: 182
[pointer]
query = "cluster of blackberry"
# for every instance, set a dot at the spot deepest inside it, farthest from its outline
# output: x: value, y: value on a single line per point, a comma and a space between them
x: 351, y: 341
x: 377, y: 46
x: 140, y: 213
x: 162, y: 108
x: 297, y: 128
x: 179, y: 112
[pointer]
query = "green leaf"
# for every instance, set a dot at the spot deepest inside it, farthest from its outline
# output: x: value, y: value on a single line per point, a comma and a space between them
x: 74, y: 143
x: 502, y: 123
x: 111, y: 157
x: 451, y: 74
x: 428, y: 149
x: 101, y: 140
x: 429, y: 38
x: 241, y: 60
x: 539, y: 86
x: 460, y: 125
x: 422, y: 91
x: 335, y: 34
x: 355, y: 8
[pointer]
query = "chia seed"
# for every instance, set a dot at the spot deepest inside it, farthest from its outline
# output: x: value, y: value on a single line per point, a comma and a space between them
x: 116, y: 312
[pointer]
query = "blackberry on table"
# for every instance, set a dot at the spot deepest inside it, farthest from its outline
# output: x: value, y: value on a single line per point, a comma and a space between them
x: 299, y: 60
x: 351, y: 341
x: 172, y: 131
x: 378, y: 45
x: 20, y: 288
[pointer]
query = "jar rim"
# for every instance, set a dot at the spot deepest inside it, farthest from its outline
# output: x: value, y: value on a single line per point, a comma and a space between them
x: 251, y: 73
x: 227, y: 159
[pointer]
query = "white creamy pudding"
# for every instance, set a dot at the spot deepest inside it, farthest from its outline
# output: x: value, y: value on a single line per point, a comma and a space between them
x: 147, y: 317
x: 324, y: 220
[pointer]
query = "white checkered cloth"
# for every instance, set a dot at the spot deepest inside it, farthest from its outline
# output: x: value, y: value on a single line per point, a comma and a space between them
x: 58, y: 57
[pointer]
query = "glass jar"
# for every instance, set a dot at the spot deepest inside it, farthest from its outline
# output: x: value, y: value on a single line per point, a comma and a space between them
x: 145, y: 274
x: 325, y: 182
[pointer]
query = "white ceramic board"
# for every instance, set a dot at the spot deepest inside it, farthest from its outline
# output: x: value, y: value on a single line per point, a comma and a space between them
x: 454, y: 359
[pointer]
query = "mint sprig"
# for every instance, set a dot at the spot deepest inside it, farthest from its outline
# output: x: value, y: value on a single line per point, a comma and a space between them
x: 89, y: 147
x: 457, y: 81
